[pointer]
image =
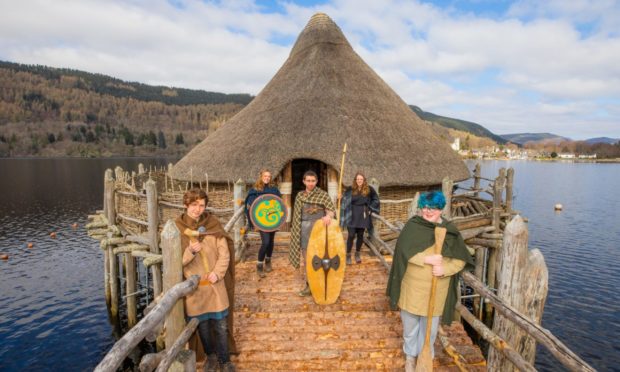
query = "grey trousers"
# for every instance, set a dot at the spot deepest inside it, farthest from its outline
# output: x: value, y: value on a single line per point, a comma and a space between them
x: 414, y: 331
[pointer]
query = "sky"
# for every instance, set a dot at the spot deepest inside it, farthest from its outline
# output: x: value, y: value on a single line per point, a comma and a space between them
x: 511, y: 66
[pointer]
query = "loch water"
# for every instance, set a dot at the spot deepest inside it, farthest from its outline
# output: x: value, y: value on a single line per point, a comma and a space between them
x: 52, y: 309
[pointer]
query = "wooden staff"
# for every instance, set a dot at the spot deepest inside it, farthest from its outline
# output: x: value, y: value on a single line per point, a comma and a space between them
x: 344, y: 152
x: 425, y: 359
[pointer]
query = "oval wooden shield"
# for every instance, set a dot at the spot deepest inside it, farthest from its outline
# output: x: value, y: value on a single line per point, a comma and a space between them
x: 268, y: 212
x: 325, y: 262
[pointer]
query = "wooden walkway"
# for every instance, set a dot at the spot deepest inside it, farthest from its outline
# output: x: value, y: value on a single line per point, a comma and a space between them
x: 276, y: 329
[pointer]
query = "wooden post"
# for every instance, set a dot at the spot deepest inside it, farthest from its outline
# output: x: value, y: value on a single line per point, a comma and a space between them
x: 413, y: 208
x: 522, y: 284
x: 239, y: 197
x: 113, y: 282
x: 153, y: 232
x: 118, y: 173
x: 106, y: 278
x: 510, y: 174
x: 479, y: 273
x: 375, y: 184
x: 172, y: 253
x: 108, y: 192
x: 498, y: 186
x: 476, y: 179
x: 286, y: 189
x: 130, y: 289
x: 446, y: 188
x: 497, y: 211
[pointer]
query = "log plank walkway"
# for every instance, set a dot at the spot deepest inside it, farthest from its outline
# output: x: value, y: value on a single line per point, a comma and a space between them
x: 276, y: 329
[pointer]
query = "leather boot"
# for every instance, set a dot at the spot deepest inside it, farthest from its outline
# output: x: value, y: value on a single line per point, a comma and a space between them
x: 305, y: 292
x: 228, y: 367
x: 358, y: 258
x: 268, y: 264
x: 349, y: 258
x: 211, y: 364
x: 259, y: 269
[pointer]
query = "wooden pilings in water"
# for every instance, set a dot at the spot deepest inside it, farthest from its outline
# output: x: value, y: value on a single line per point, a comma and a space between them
x: 522, y: 283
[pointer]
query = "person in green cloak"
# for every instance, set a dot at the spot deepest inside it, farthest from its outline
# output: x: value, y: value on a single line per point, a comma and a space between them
x: 413, y: 267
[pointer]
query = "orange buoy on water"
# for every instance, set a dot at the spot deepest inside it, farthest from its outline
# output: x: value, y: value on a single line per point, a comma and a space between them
x: 53, y: 235
x: 4, y: 256
x: 30, y: 245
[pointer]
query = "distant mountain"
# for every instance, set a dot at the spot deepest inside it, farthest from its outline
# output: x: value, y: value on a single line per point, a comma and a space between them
x: 462, y: 125
x: 103, y: 84
x: 522, y: 138
x: 607, y: 140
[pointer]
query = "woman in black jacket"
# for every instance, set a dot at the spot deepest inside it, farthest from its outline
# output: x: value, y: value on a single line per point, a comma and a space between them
x: 358, y: 202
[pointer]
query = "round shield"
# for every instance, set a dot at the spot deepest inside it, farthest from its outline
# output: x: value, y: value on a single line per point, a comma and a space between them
x: 268, y: 212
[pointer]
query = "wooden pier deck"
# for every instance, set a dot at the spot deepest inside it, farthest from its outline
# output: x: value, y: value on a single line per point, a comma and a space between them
x: 276, y: 329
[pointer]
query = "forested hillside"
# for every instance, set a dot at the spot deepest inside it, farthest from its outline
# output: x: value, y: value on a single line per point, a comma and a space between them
x: 56, y: 112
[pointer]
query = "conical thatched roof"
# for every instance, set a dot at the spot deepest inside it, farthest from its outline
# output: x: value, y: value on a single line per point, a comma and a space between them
x: 323, y: 96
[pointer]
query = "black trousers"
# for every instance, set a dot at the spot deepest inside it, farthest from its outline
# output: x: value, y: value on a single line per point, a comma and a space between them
x: 214, y: 337
x: 266, y: 245
x: 353, y: 233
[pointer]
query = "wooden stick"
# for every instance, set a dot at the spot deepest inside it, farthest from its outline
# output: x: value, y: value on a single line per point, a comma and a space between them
x: 344, y: 152
x: 178, y: 345
x: 153, y: 233
x: 130, y: 287
x: 425, y: 358
x: 376, y: 252
x: 114, y: 358
x: 233, y: 219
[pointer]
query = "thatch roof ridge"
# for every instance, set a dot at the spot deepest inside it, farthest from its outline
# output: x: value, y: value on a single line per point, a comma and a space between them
x: 323, y: 96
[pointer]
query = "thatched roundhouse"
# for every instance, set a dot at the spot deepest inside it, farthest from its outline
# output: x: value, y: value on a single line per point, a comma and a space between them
x: 323, y: 96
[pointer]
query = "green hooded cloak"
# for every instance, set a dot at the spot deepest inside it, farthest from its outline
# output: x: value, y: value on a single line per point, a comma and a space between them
x: 417, y: 235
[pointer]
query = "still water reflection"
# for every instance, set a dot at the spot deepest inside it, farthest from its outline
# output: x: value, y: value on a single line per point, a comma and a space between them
x: 581, y: 245
x: 52, y: 309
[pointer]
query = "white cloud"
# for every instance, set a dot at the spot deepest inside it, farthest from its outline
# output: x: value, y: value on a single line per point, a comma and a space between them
x: 541, y: 65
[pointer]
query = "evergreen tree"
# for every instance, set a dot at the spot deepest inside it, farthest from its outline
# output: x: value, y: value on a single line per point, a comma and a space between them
x: 161, y: 140
x: 179, y: 139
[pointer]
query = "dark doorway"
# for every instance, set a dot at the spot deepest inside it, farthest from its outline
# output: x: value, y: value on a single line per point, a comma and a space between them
x: 300, y: 166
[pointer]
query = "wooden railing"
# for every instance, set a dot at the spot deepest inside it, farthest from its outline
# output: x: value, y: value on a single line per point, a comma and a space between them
x: 121, y: 349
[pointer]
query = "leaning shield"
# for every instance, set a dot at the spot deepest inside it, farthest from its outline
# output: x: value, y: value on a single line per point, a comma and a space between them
x: 268, y: 212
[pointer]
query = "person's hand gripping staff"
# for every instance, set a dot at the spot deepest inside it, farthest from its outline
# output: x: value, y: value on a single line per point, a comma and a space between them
x: 195, y: 246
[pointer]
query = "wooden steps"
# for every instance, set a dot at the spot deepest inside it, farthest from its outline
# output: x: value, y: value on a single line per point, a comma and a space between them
x: 276, y: 329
